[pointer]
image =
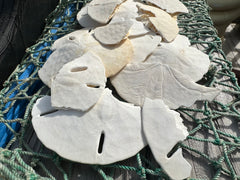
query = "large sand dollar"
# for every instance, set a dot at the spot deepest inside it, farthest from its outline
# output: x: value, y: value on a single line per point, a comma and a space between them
x: 111, y: 131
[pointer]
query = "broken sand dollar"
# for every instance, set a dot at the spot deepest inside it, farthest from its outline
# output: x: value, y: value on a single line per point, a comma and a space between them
x: 56, y: 60
x: 111, y: 131
x: 79, y: 84
x: 113, y: 33
x: 128, y: 11
x: 157, y: 81
x: 172, y: 6
x: 163, y: 129
x: 160, y: 21
x: 144, y: 45
x: 187, y: 60
x: 102, y: 10
x: 75, y: 44
x: 178, y: 55
x: 180, y: 41
x: 114, y: 57
x: 65, y: 50
x: 85, y: 20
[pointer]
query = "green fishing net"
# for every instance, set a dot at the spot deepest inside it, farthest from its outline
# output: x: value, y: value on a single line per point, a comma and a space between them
x: 212, y: 146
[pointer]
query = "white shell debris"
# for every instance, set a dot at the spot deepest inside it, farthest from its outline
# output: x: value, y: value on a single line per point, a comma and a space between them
x: 77, y: 43
x: 111, y: 131
x: 188, y: 60
x: 113, y: 33
x: 160, y: 21
x: 170, y: 6
x: 128, y: 11
x: 85, y: 20
x: 102, y: 10
x: 57, y: 59
x: 114, y: 57
x: 144, y: 45
x: 157, y: 81
x: 163, y: 129
x: 79, y: 84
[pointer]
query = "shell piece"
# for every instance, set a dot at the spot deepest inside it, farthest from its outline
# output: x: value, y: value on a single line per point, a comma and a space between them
x: 173, y: 6
x: 158, y: 121
x: 57, y: 59
x: 111, y: 131
x: 79, y: 84
x: 138, y: 29
x: 102, y: 11
x: 179, y: 42
x: 113, y: 33
x: 114, y: 57
x: 143, y: 46
x: 160, y: 22
x: 188, y: 60
x: 85, y: 20
x: 158, y: 81
x: 128, y: 11
x: 65, y: 50
x: 75, y: 44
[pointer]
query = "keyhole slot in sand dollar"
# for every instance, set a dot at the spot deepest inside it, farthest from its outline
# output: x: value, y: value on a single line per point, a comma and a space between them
x: 78, y: 69
x: 101, y: 142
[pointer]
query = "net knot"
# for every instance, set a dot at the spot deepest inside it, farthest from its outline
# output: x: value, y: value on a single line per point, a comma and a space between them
x: 218, y: 142
x: 6, y: 153
x: 206, y: 113
x: 237, y: 140
x: 141, y: 171
x: 217, y: 165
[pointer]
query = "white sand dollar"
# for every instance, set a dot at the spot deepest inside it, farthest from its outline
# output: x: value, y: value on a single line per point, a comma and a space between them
x: 170, y: 6
x: 113, y: 57
x: 57, y: 59
x: 144, y: 45
x: 77, y: 43
x: 79, y: 84
x: 85, y: 20
x: 128, y: 11
x: 111, y: 131
x: 163, y: 129
x: 180, y: 41
x: 113, y: 33
x: 187, y: 60
x: 160, y: 22
x: 102, y: 10
x: 157, y: 81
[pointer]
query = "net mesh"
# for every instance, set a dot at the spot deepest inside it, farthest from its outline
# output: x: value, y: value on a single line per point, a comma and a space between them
x: 213, y: 143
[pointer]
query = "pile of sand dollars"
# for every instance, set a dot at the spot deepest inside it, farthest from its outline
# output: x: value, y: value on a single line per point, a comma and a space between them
x: 154, y: 69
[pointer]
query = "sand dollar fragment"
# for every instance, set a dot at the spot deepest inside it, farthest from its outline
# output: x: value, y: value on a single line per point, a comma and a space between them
x: 79, y: 84
x: 170, y: 6
x: 57, y: 59
x: 144, y: 45
x: 160, y: 21
x: 111, y: 131
x: 128, y: 11
x: 113, y: 33
x: 77, y: 43
x: 158, y: 81
x: 187, y: 60
x: 85, y: 20
x: 163, y: 129
x: 102, y: 10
